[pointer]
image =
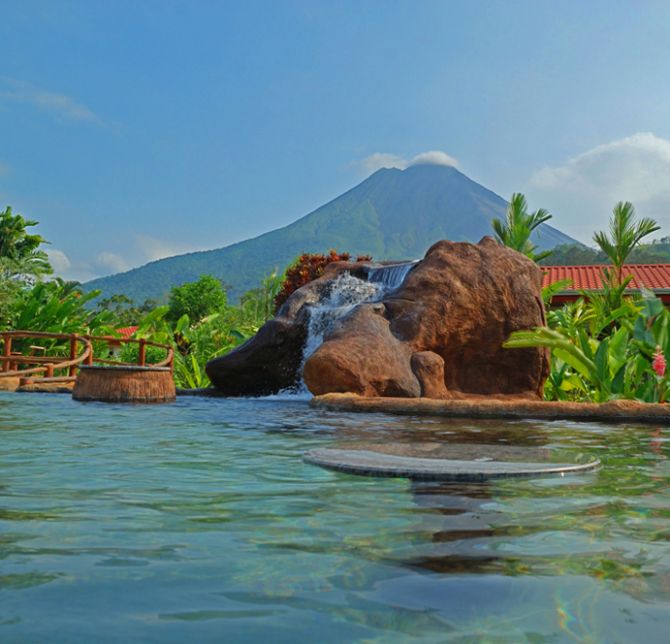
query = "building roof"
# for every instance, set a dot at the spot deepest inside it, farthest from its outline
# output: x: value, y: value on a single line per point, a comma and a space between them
x: 652, y: 276
x: 127, y: 332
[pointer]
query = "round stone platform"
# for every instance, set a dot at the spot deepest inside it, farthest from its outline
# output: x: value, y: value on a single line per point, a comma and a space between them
x: 124, y: 383
x: 369, y: 463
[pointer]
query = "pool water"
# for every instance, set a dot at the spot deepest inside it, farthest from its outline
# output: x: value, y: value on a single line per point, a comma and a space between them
x: 198, y: 521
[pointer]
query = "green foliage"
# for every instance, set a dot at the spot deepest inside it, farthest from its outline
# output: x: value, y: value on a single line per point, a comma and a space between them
x: 196, y: 299
x: 516, y: 230
x: 123, y: 310
x: 196, y: 341
x: 9, y: 291
x: 625, y: 235
x: 603, y: 345
x: 657, y: 252
x: 599, y: 359
x: 58, y: 307
x: 19, y: 249
x: 552, y: 289
x: 259, y: 303
x: 22, y: 262
x: 130, y: 352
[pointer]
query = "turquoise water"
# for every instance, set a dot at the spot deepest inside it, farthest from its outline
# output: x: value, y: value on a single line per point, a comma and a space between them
x: 197, y: 521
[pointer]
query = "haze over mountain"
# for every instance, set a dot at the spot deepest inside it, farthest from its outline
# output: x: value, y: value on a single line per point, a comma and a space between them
x: 393, y: 214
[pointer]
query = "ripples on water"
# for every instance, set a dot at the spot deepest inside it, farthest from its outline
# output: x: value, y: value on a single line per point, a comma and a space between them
x: 199, y: 520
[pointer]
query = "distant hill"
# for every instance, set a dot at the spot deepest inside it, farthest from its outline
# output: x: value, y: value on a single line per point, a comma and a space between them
x: 393, y: 214
x: 657, y: 252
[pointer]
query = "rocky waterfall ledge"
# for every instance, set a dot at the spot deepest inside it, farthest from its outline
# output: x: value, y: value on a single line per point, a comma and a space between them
x: 431, y: 329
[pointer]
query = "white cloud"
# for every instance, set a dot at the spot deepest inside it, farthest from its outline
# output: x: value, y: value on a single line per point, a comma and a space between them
x: 379, y: 160
x: 582, y: 192
x: 59, y: 261
x: 110, y: 262
x: 433, y: 157
x: 24, y: 92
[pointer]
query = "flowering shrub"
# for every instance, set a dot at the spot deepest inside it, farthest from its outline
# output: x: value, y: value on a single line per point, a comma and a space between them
x: 308, y: 267
x: 658, y: 364
x: 603, y: 357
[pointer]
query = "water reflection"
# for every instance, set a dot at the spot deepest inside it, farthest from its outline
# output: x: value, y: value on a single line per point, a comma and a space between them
x: 199, y: 520
x: 591, y: 524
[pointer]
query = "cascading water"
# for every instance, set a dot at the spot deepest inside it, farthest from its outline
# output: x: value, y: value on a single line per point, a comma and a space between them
x: 346, y: 293
x: 391, y: 276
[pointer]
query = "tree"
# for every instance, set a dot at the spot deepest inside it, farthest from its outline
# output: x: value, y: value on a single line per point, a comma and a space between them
x: 518, y: 226
x: 22, y: 262
x: 196, y: 299
x: 19, y: 250
x: 625, y: 235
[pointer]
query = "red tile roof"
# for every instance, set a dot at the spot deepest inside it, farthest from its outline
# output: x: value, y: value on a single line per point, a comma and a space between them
x: 652, y: 276
x: 127, y: 332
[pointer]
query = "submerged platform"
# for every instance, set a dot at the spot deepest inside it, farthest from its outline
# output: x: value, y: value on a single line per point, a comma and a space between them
x: 372, y: 463
x: 497, y: 408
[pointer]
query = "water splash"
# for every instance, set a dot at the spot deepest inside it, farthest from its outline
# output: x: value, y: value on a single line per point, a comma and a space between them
x: 346, y: 293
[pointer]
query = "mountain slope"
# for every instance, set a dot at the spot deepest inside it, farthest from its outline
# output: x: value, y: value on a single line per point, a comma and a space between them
x: 393, y: 214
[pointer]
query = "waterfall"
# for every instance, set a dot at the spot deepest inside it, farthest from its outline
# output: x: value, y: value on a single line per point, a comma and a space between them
x: 390, y: 276
x: 346, y: 293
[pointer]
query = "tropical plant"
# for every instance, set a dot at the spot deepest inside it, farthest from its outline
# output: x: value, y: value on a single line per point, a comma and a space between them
x: 552, y: 289
x: 625, y: 235
x: 598, y: 358
x: 258, y: 304
x: 515, y: 231
x: 56, y: 307
x: 196, y: 341
x: 196, y: 299
x: 19, y: 250
x: 22, y: 262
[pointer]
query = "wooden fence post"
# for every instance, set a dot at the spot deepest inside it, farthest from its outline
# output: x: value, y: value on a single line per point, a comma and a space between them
x: 143, y: 352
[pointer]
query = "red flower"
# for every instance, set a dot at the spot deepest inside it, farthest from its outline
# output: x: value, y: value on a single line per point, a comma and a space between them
x: 658, y: 364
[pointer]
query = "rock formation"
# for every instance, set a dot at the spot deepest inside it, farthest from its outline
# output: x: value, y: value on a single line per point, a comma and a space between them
x: 439, y: 335
x: 271, y: 360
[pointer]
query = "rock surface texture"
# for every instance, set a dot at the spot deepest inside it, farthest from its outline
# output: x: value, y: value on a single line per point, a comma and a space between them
x: 459, y: 304
x: 272, y: 359
x: 439, y: 335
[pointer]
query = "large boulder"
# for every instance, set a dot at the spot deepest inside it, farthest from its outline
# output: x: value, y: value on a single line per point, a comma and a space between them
x: 272, y: 359
x: 460, y: 304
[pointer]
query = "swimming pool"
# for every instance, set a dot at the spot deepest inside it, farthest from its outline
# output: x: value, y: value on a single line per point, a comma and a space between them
x: 198, y: 520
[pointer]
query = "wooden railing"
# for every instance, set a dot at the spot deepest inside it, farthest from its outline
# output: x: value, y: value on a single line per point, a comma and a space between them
x: 46, y: 367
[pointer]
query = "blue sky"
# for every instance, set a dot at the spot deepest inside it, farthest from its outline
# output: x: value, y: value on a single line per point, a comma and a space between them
x: 136, y: 130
